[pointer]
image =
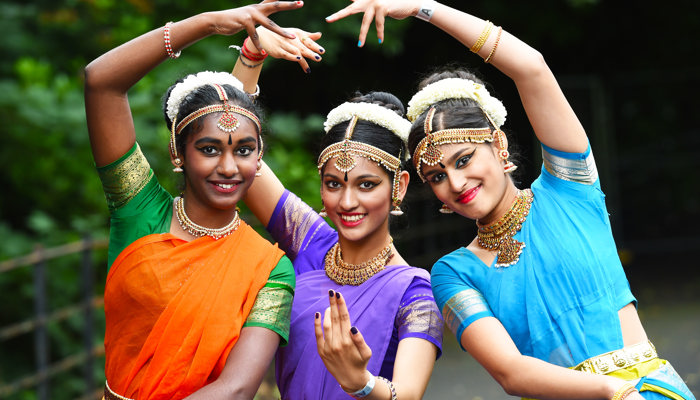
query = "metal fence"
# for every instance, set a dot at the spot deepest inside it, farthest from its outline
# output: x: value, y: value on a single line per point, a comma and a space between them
x: 46, y: 368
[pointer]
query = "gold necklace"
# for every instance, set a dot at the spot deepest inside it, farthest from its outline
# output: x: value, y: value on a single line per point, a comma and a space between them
x: 197, y: 230
x: 499, y: 235
x: 343, y: 273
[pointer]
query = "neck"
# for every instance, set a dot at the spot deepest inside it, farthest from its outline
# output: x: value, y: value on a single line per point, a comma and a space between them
x: 358, y: 251
x: 504, y: 204
x: 207, y: 216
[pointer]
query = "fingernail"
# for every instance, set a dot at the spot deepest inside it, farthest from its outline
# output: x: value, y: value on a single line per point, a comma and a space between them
x: 308, y: 70
x: 298, y: 57
x: 263, y: 51
x: 317, y: 315
x: 353, y: 330
x: 380, y: 41
x: 328, y: 18
x: 337, y: 295
x: 359, y: 43
x: 330, y: 293
x: 300, y: 3
x: 292, y: 36
x: 317, y: 57
x: 321, y: 50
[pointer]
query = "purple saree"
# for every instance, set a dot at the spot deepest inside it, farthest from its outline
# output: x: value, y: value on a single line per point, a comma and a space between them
x: 394, y: 304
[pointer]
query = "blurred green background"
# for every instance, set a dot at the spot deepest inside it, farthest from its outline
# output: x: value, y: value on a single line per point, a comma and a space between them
x: 630, y: 69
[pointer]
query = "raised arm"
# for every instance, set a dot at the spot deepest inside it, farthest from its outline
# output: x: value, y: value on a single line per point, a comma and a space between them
x: 109, y: 77
x: 262, y: 197
x: 551, y: 116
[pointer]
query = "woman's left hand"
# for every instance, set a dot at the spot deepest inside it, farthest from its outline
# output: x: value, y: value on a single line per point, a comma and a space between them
x: 341, y: 346
x: 298, y: 48
x: 377, y: 10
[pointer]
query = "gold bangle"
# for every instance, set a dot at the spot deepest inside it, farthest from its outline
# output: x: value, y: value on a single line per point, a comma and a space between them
x: 624, y: 391
x: 482, y: 38
x: 495, y: 44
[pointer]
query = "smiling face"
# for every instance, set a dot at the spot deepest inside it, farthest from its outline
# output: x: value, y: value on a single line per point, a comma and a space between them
x: 218, y: 172
x: 359, y: 207
x: 472, y: 182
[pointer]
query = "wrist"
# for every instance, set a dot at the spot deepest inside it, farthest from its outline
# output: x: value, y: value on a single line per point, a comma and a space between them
x: 360, y: 386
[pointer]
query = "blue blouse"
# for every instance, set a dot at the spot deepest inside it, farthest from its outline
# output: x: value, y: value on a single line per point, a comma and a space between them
x: 560, y: 301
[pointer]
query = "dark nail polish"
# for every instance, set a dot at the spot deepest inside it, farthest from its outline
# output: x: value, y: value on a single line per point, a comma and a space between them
x: 353, y: 330
x: 330, y: 293
x: 317, y: 57
x: 308, y: 70
x: 337, y: 295
x: 317, y: 315
x: 321, y: 50
x: 298, y: 57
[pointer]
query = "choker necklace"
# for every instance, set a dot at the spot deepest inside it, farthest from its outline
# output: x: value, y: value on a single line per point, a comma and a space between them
x: 197, y: 230
x: 343, y: 273
x: 499, y: 235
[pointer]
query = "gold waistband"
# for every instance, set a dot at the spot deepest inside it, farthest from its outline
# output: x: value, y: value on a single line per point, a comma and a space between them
x: 619, y: 359
x: 110, y: 395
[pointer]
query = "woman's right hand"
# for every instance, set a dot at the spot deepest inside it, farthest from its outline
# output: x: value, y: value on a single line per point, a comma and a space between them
x: 377, y: 10
x: 229, y: 22
x: 341, y: 346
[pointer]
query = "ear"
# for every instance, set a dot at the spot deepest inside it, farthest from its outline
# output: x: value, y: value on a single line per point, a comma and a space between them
x: 404, y: 179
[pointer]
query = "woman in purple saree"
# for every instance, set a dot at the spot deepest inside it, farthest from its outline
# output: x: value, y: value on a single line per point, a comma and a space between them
x: 382, y: 332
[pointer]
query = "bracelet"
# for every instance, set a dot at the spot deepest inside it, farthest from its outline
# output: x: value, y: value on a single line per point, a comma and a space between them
x: 253, y: 96
x: 389, y: 383
x: 245, y: 51
x: 495, y: 44
x: 624, y: 391
x: 166, y: 39
x: 426, y: 10
x: 482, y: 38
x: 241, y: 57
x: 369, y: 386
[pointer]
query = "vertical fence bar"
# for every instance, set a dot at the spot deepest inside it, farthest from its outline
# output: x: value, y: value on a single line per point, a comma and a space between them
x: 87, y: 280
x: 41, y: 344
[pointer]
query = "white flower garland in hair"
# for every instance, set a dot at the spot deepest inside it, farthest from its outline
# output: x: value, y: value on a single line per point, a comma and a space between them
x: 370, y: 112
x: 194, y: 81
x: 457, y: 88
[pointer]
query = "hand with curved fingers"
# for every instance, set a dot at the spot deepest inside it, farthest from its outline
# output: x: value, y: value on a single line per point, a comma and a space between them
x: 301, y: 46
x: 341, y: 346
x: 252, y: 15
x: 376, y: 10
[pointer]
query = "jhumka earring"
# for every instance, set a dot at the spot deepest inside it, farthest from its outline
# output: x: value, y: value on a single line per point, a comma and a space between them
x: 445, y: 210
x: 396, y: 210
x: 503, y: 153
x: 178, y: 165
x: 258, y: 173
x: 323, y: 212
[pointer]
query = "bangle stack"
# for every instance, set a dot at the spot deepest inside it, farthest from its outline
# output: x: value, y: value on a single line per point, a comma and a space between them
x: 482, y: 38
x: 166, y: 39
x: 256, y: 58
x: 624, y: 391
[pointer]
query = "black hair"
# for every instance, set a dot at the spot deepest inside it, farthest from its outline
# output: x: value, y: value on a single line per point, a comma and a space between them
x: 369, y: 132
x: 199, y: 98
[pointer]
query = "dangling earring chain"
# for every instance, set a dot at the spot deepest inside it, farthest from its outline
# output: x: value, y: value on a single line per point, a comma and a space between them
x: 197, y: 230
x: 499, y: 235
x: 343, y: 273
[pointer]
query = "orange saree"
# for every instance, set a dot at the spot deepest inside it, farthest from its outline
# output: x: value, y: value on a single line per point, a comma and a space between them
x: 175, y: 309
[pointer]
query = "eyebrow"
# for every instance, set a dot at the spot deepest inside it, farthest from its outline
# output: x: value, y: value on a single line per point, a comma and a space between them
x: 365, y: 176
x: 209, y: 139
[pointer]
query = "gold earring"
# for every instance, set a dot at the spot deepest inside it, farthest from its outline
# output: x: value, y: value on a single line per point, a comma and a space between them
x: 178, y: 165
x: 445, y: 210
x: 396, y: 210
x: 323, y: 212
x: 258, y: 173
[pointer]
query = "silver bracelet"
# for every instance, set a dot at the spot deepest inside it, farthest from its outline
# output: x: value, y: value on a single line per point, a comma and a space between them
x: 426, y: 10
x: 392, y: 389
x: 369, y: 386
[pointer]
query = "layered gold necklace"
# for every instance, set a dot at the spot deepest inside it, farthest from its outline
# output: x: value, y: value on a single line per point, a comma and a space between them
x: 197, y: 230
x: 343, y: 273
x: 498, y: 236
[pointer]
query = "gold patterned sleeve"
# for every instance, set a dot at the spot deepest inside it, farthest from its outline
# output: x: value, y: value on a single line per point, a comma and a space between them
x: 273, y: 305
x: 123, y: 179
x: 421, y: 318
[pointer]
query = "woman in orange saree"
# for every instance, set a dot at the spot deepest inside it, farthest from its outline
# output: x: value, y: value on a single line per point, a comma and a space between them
x: 196, y: 302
